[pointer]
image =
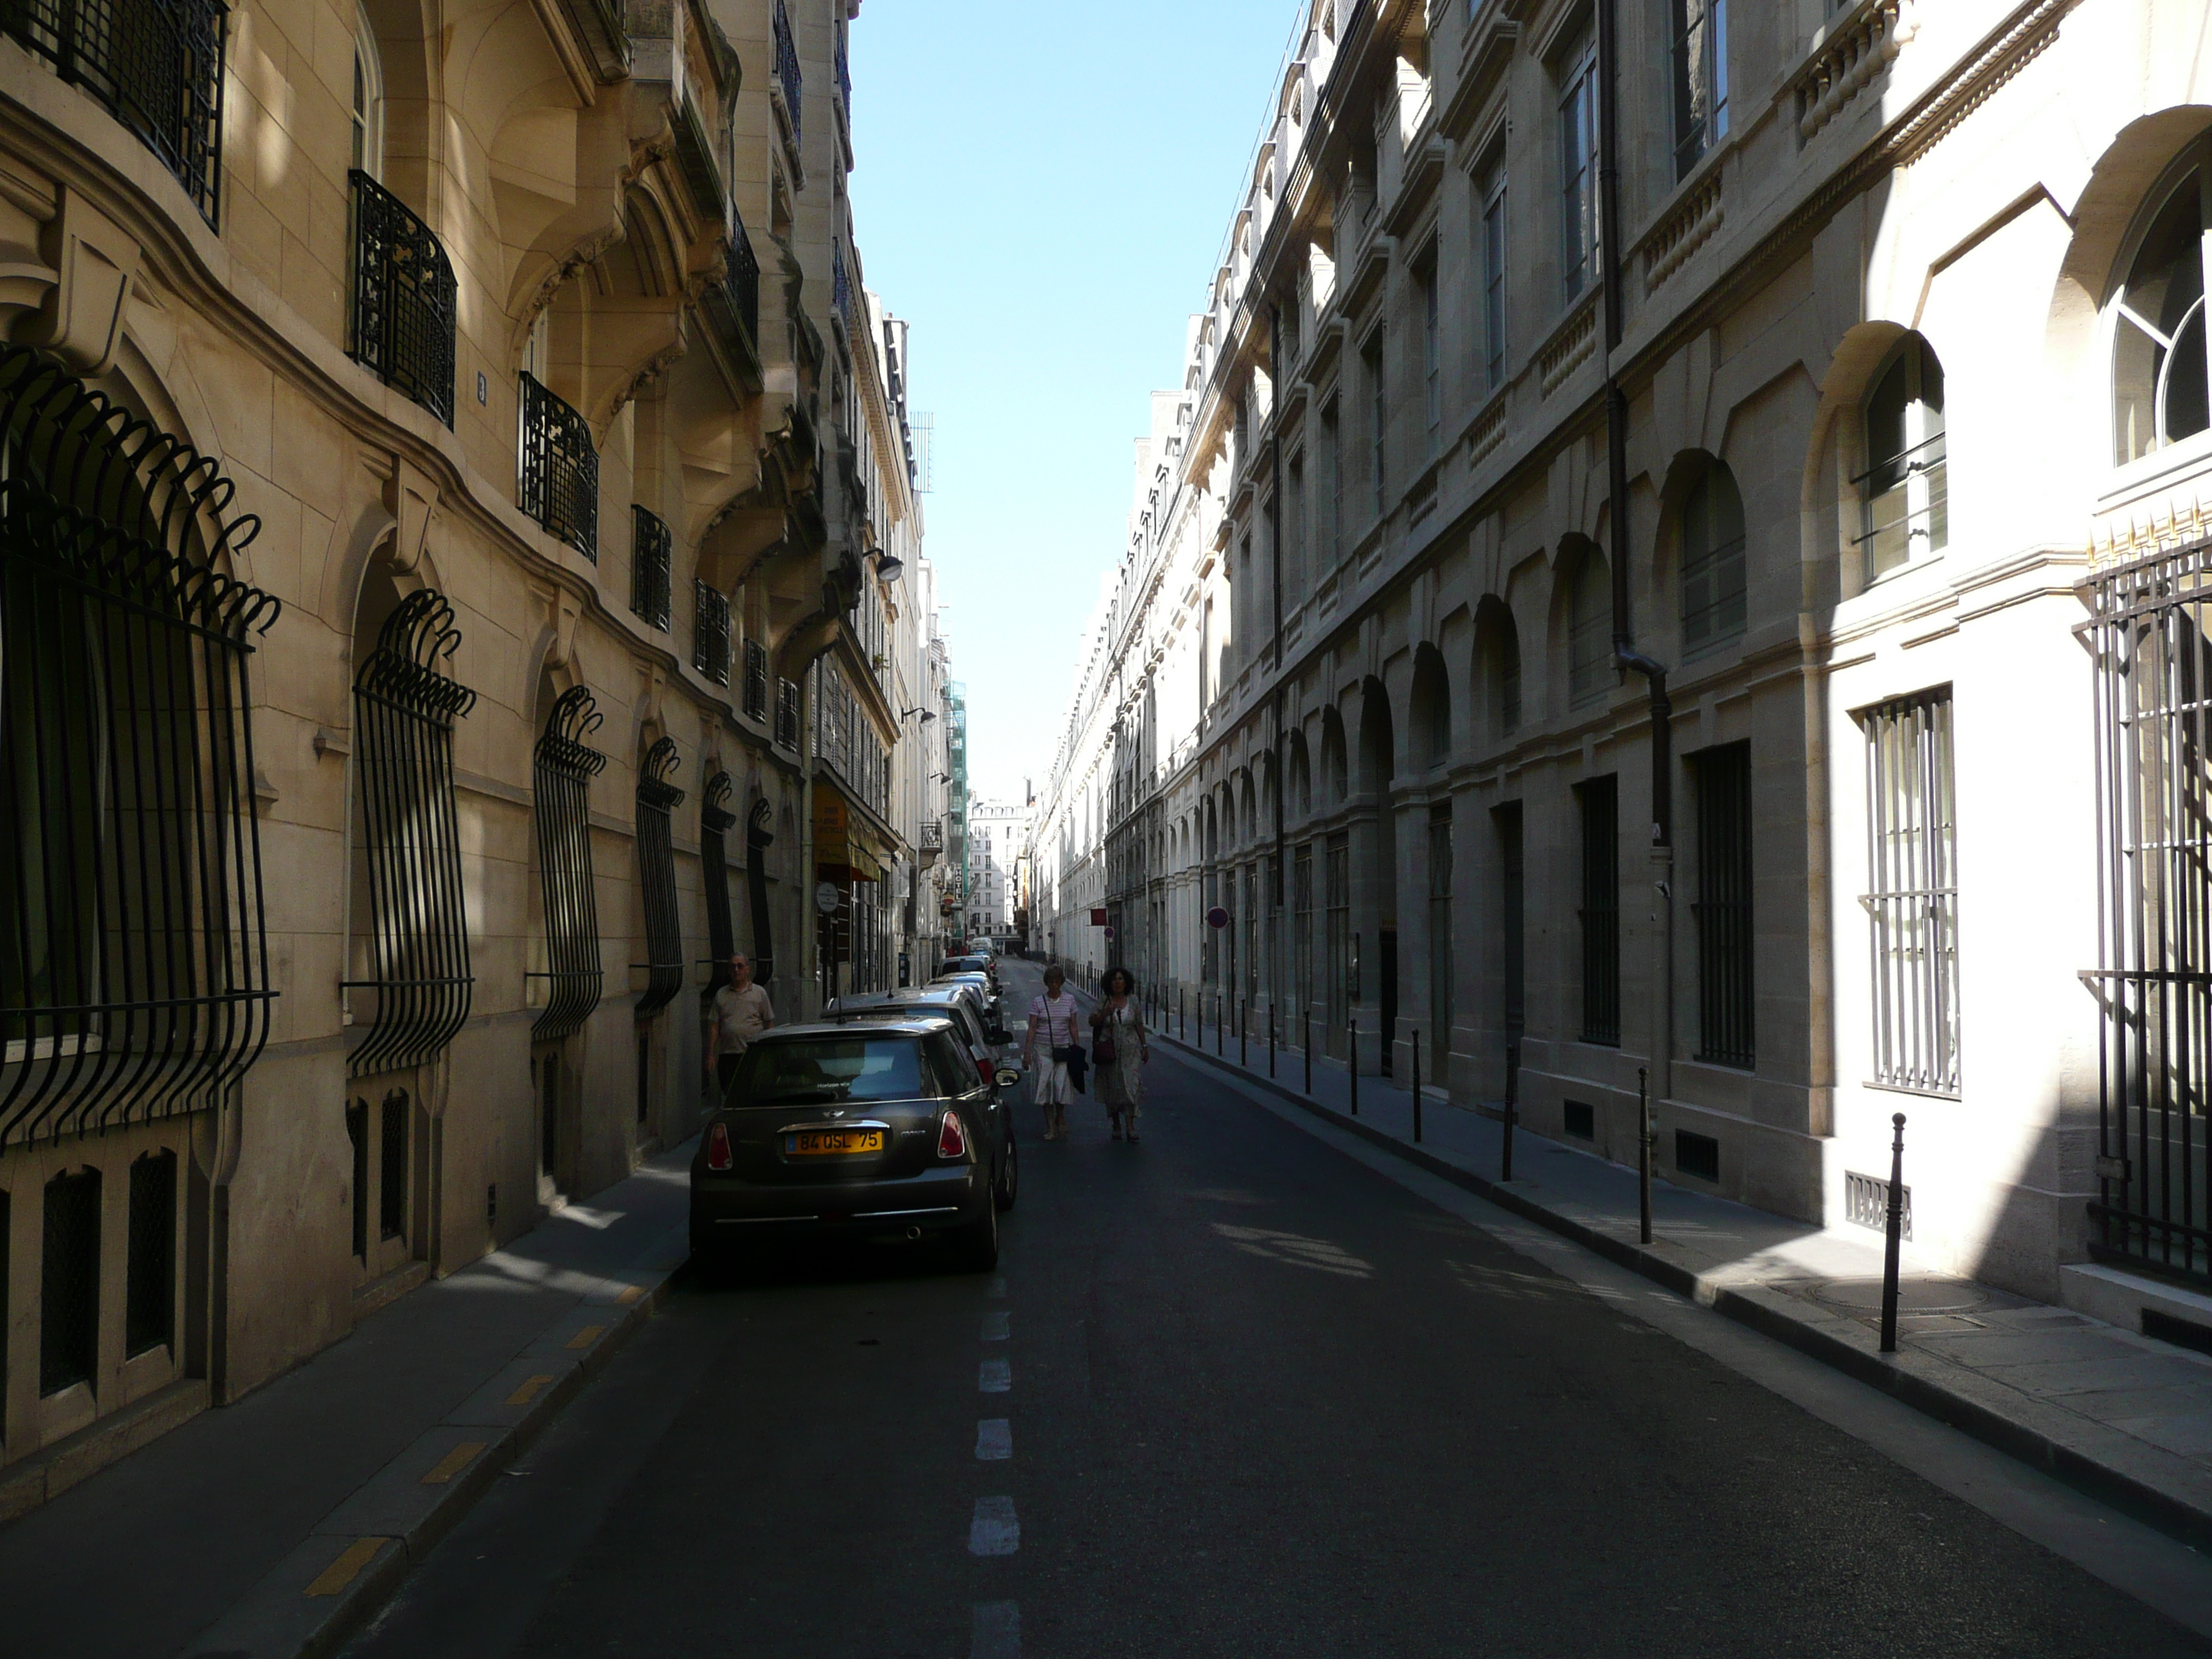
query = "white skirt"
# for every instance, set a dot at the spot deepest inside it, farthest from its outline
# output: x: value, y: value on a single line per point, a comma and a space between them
x: 1049, y: 1085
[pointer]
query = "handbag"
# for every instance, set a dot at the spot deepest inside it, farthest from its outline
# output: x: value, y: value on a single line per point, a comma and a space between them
x: 1102, y: 1047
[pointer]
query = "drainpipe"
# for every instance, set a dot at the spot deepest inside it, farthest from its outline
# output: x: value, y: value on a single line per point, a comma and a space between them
x: 1625, y: 657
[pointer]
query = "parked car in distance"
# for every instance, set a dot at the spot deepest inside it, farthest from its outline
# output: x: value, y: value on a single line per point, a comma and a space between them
x: 885, y: 1130
x: 982, y: 987
x: 972, y: 964
x: 979, y: 1023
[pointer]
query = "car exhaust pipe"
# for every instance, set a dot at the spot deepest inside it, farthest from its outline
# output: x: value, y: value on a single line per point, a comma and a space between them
x: 913, y: 1233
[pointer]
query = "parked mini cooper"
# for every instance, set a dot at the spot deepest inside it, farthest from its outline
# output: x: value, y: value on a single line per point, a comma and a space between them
x: 891, y: 1129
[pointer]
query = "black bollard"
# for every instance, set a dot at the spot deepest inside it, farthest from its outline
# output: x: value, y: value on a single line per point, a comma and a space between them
x: 1306, y: 1045
x: 1417, y: 1085
x: 1271, y: 1040
x: 1220, y: 1032
x: 1644, y: 1153
x: 1352, y: 1059
x: 1182, y: 1014
x: 1241, y: 1011
x: 1895, y: 1231
x: 1512, y: 1108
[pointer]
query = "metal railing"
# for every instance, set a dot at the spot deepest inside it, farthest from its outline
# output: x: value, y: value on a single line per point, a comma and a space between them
x: 404, y: 298
x: 651, y: 552
x: 562, y: 770
x: 1912, y: 904
x: 155, y: 65
x: 841, y: 285
x: 1906, y: 501
x: 656, y: 875
x: 788, y: 77
x: 741, y: 280
x: 404, y: 706
x: 710, y: 631
x: 559, y: 481
x: 786, y: 713
x: 757, y: 676
x: 134, y: 963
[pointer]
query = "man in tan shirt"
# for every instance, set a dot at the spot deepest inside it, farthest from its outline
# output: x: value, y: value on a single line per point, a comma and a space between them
x: 742, y: 1012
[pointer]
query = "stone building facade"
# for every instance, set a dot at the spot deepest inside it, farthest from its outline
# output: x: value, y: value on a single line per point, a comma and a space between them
x: 1903, y: 363
x: 456, y: 493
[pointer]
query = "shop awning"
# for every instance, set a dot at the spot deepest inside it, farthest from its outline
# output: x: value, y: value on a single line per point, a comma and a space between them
x: 845, y: 847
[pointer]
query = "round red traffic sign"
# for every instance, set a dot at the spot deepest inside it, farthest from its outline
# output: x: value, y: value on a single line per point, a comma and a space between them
x: 1216, y: 917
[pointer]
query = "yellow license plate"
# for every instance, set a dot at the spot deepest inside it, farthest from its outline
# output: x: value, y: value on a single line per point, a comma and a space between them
x: 833, y: 1143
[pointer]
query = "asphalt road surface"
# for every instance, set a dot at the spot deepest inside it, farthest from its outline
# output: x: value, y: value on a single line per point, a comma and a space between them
x: 1233, y: 1392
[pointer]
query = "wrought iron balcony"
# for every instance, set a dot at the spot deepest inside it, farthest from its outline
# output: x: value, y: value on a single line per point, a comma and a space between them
x: 755, y: 679
x: 657, y: 798
x: 844, y: 76
x: 694, y: 153
x: 560, y: 485
x: 155, y: 65
x: 710, y: 631
x: 788, y: 77
x: 786, y: 713
x: 650, y: 548
x: 733, y: 303
x: 403, y: 298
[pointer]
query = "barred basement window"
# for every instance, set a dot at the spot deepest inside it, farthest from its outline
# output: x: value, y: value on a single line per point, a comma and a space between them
x: 404, y: 299
x: 391, y: 1165
x: 650, y: 547
x: 133, y: 959
x: 404, y: 705
x: 710, y: 632
x: 560, y: 474
x: 755, y: 691
x: 150, y: 1271
x: 562, y: 769
x: 155, y: 65
x: 1726, y: 994
x: 715, y: 822
x: 1912, y: 897
x: 656, y: 873
x: 69, y: 1282
x: 1600, y: 801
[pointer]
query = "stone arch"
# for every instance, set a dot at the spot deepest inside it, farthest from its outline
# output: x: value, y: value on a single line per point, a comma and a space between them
x: 1430, y: 710
x: 1701, y: 516
x: 1581, y: 622
x: 1496, y: 669
x: 1335, y: 766
x: 1300, y: 803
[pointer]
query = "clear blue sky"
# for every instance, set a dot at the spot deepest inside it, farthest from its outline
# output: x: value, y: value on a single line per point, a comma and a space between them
x: 1042, y: 192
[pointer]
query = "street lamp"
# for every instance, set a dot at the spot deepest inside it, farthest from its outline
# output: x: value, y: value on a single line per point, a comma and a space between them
x: 907, y: 713
x: 888, y: 565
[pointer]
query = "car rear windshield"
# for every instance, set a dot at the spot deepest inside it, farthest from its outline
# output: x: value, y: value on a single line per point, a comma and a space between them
x: 807, y: 1069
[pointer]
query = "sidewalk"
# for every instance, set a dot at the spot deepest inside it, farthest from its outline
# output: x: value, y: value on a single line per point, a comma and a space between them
x: 2125, y: 1419
x: 272, y: 1528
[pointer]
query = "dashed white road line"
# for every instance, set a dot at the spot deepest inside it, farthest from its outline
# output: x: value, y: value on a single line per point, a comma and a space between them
x: 995, y: 1529
x: 997, y: 1325
x: 998, y: 1631
x: 994, y: 1440
x: 995, y: 1376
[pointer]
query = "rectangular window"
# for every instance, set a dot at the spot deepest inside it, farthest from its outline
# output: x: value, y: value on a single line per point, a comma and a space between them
x: 1370, y: 358
x: 1301, y: 926
x: 1723, y: 909
x: 1338, y: 921
x: 1511, y: 942
x: 150, y: 1287
x: 1294, y: 528
x: 1578, y: 193
x: 1331, y: 457
x: 1494, y: 280
x: 1440, y: 935
x: 391, y: 1165
x: 1424, y: 276
x: 1912, y: 896
x: 1700, y: 75
x: 1600, y: 801
x: 69, y: 1282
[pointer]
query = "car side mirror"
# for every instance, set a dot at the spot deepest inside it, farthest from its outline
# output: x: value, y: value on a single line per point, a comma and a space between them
x: 1008, y: 1077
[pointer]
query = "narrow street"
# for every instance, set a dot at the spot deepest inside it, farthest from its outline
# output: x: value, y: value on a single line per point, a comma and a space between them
x: 1232, y: 1393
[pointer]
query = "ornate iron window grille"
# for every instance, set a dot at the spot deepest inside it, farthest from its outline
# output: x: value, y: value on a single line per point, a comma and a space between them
x: 1600, y: 910
x: 562, y: 769
x: 710, y: 631
x: 134, y: 968
x: 656, y: 873
x: 758, y: 839
x: 651, y: 549
x: 755, y: 679
x: 155, y: 65
x: 715, y: 822
x: 1726, y: 992
x: 403, y: 298
x: 788, y: 77
x: 786, y: 713
x: 404, y: 706
x: 560, y: 483
x: 2148, y: 638
x: 1912, y: 897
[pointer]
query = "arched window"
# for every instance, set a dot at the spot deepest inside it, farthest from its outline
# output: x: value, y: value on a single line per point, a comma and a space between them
x: 1902, y: 490
x: 367, y: 97
x: 1498, y: 666
x: 1712, y: 526
x: 1590, y: 628
x: 1432, y: 706
x: 2159, y: 383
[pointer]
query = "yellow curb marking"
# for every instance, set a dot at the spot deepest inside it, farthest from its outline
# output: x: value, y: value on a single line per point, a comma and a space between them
x: 585, y: 1338
x: 629, y: 1295
x: 528, y: 1391
x: 453, y: 1462
x: 343, y: 1571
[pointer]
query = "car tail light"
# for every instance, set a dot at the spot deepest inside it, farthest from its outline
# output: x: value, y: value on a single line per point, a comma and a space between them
x: 717, y: 1148
x: 984, y: 1070
x: 952, y: 1137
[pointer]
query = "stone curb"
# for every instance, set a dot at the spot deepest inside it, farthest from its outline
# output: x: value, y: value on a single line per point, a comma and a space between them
x: 319, y: 1596
x: 1928, y: 1386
